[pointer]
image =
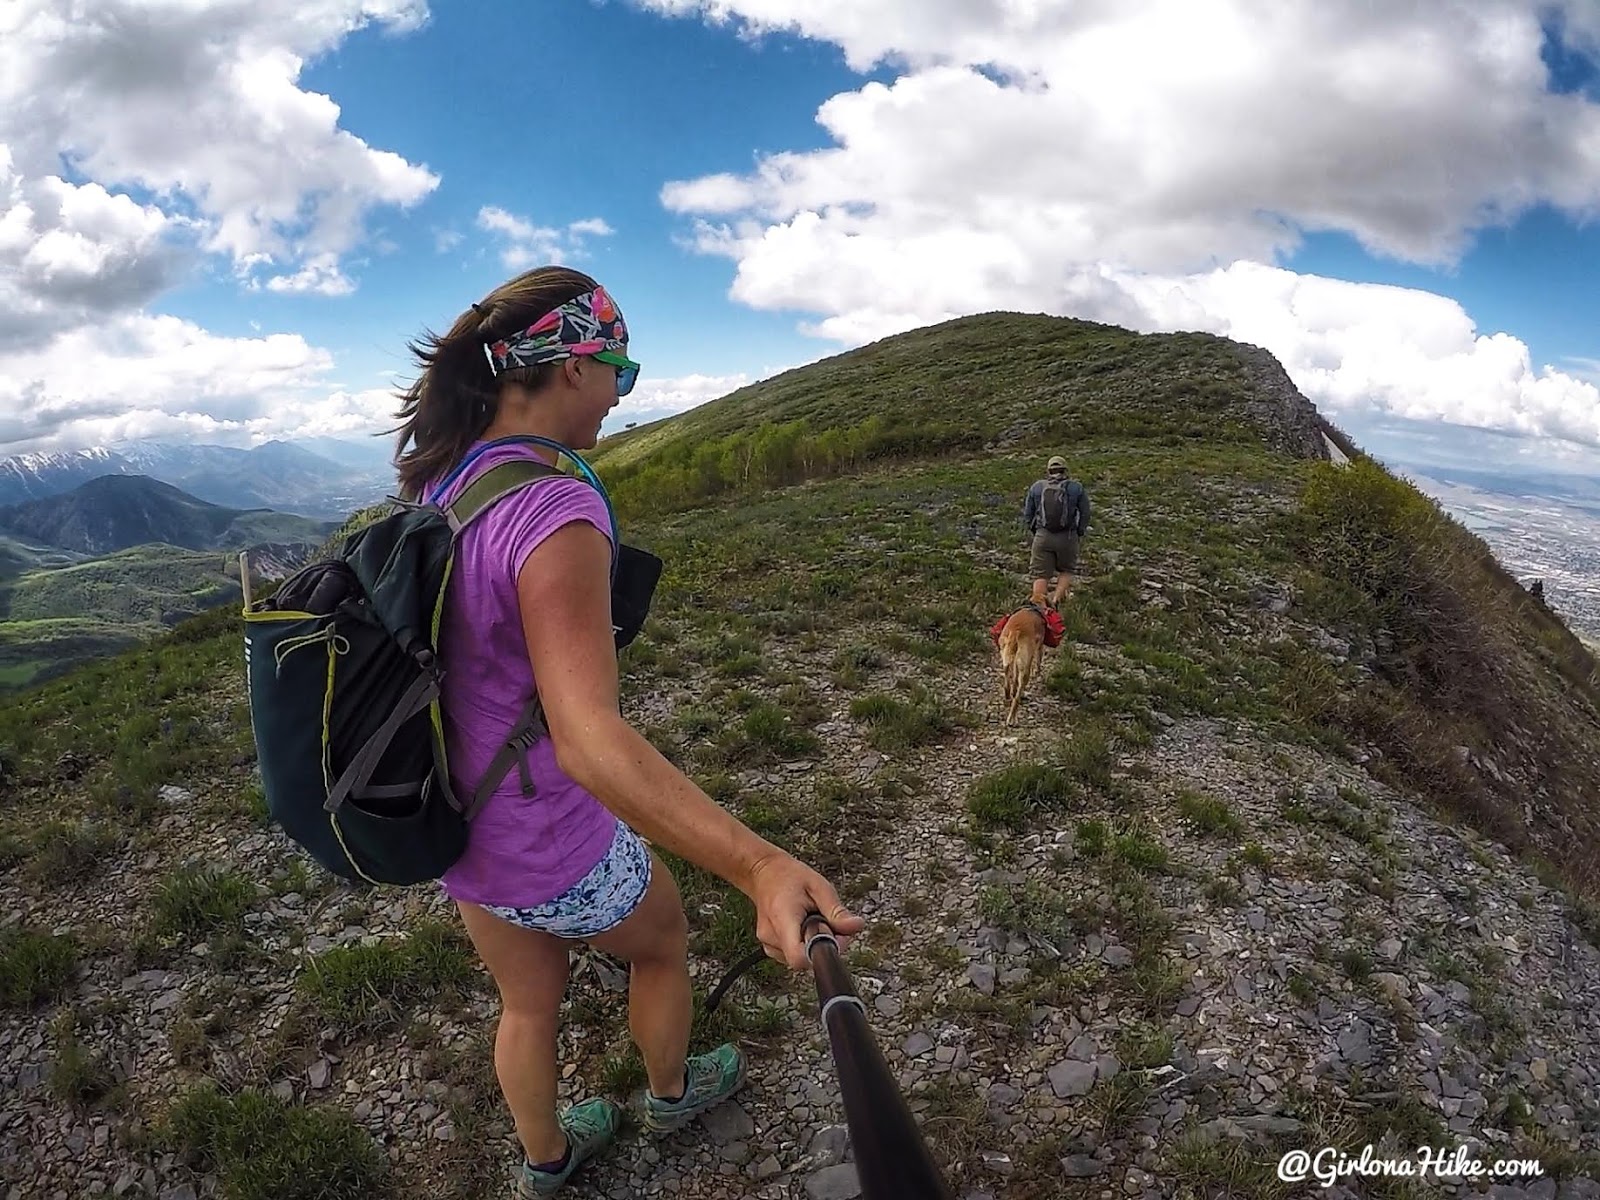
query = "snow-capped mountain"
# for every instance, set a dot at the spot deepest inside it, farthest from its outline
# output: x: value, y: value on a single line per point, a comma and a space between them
x: 278, y: 475
x: 35, y: 476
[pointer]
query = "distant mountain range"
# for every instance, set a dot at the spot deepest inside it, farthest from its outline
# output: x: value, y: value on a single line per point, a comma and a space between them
x: 97, y: 568
x: 316, y: 477
x: 116, y: 512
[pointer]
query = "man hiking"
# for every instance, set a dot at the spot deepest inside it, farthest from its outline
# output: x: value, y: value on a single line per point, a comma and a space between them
x: 1056, y: 514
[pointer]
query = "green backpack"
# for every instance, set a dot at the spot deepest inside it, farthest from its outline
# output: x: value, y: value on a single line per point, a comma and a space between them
x: 344, y: 684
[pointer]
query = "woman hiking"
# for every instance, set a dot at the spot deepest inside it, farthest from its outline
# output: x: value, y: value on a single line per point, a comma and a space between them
x: 546, y: 354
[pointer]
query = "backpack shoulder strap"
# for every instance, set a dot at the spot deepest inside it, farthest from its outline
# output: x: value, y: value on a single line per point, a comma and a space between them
x: 477, y: 498
x: 494, y: 484
x: 513, y: 752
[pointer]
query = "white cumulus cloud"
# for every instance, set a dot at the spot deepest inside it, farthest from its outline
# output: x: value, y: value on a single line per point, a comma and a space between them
x: 525, y: 244
x: 137, y: 136
x: 190, y: 384
x: 198, y: 102
x: 1145, y: 162
x: 653, y: 399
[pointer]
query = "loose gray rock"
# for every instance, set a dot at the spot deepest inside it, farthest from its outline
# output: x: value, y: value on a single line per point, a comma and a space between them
x: 1071, y: 1078
x: 319, y: 1073
x: 1081, y: 1166
x: 729, y: 1123
x: 1355, y: 1042
x: 829, y: 1147
x: 1002, y: 1095
x: 834, y: 1183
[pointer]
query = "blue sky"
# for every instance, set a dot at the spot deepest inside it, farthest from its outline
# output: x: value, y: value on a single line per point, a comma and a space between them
x: 1402, y: 206
x: 612, y: 104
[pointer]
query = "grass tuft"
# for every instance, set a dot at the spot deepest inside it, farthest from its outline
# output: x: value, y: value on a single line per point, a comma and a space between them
x: 198, y: 900
x: 1011, y: 797
x: 264, y: 1149
x: 34, y: 967
x: 370, y: 987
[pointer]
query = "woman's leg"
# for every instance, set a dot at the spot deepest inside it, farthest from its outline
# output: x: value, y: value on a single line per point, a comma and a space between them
x: 530, y: 969
x: 654, y: 941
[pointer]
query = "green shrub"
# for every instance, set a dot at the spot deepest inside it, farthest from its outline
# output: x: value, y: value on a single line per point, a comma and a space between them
x: 768, y: 726
x: 1086, y: 757
x: 894, y: 724
x: 1207, y: 814
x: 67, y: 851
x: 1092, y: 838
x: 78, y: 1075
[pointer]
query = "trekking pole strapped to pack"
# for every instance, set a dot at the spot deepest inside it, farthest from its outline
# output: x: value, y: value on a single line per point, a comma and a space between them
x: 892, y: 1159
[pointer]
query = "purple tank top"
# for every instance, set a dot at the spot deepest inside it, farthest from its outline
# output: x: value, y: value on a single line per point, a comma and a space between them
x: 521, y: 850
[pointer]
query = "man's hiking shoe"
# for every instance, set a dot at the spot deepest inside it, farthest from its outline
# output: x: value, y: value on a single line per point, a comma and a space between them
x: 590, y: 1128
x: 709, y: 1080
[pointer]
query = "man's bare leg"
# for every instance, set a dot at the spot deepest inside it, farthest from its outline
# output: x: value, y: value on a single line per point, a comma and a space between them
x: 1063, y: 586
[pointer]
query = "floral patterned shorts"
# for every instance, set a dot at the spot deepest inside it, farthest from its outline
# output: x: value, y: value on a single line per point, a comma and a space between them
x: 598, y: 902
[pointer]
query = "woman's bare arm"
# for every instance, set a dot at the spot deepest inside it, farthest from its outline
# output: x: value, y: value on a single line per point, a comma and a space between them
x: 564, y: 595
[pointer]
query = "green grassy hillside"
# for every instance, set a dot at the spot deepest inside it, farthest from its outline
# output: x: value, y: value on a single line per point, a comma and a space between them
x: 17, y: 556
x: 998, y: 380
x: 53, y: 618
x: 1310, y: 785
x: 117, y: 512
x: 137, y: 585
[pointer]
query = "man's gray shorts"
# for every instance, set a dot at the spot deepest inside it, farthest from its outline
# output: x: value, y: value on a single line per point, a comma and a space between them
x: 1053, y: 554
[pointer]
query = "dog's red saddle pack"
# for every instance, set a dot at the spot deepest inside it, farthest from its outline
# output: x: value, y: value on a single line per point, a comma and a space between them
x: 1054, y: 627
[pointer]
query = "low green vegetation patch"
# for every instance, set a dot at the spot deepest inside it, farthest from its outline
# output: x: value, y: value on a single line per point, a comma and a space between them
x: 894, y: 724
x: 1463, y: 656
x: 371, y: 987
x: 1210, y: 815
x: 198, y: 900
x: 770, y: 728
x: 79, y: 1075
x: 1223, y: 1168
x: 34, y: 966
x: 1086, y: 757
x: 1017, y: 794
x: 264, y: 1149
x: 62, y: 852
x: 765, y: 455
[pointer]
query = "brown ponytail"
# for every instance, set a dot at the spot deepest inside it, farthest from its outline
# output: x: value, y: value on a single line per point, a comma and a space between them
x: 456, y: 395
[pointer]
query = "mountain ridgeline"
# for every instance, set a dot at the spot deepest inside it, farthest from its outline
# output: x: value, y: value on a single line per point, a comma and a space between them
x: 120, y: 558
x: 988, y: 383
x: 315, y: 477
x: 1296, y: 843
x: 115, y: 512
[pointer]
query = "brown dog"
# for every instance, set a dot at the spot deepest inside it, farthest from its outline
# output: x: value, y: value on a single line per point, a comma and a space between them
x: 1021, y: 652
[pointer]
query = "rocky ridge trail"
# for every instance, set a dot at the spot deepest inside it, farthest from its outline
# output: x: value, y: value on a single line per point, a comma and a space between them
x: 1112, y: 1003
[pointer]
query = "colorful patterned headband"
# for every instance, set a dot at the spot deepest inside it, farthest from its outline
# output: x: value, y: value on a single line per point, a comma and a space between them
x: 589, y: 324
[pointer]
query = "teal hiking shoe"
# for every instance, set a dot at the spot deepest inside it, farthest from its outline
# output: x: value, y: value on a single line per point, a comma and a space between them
x: 709, y: 1080
x: 590, y: 1128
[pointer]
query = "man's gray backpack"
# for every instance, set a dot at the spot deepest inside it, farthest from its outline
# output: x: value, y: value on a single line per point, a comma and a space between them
x: 1059, y: 505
